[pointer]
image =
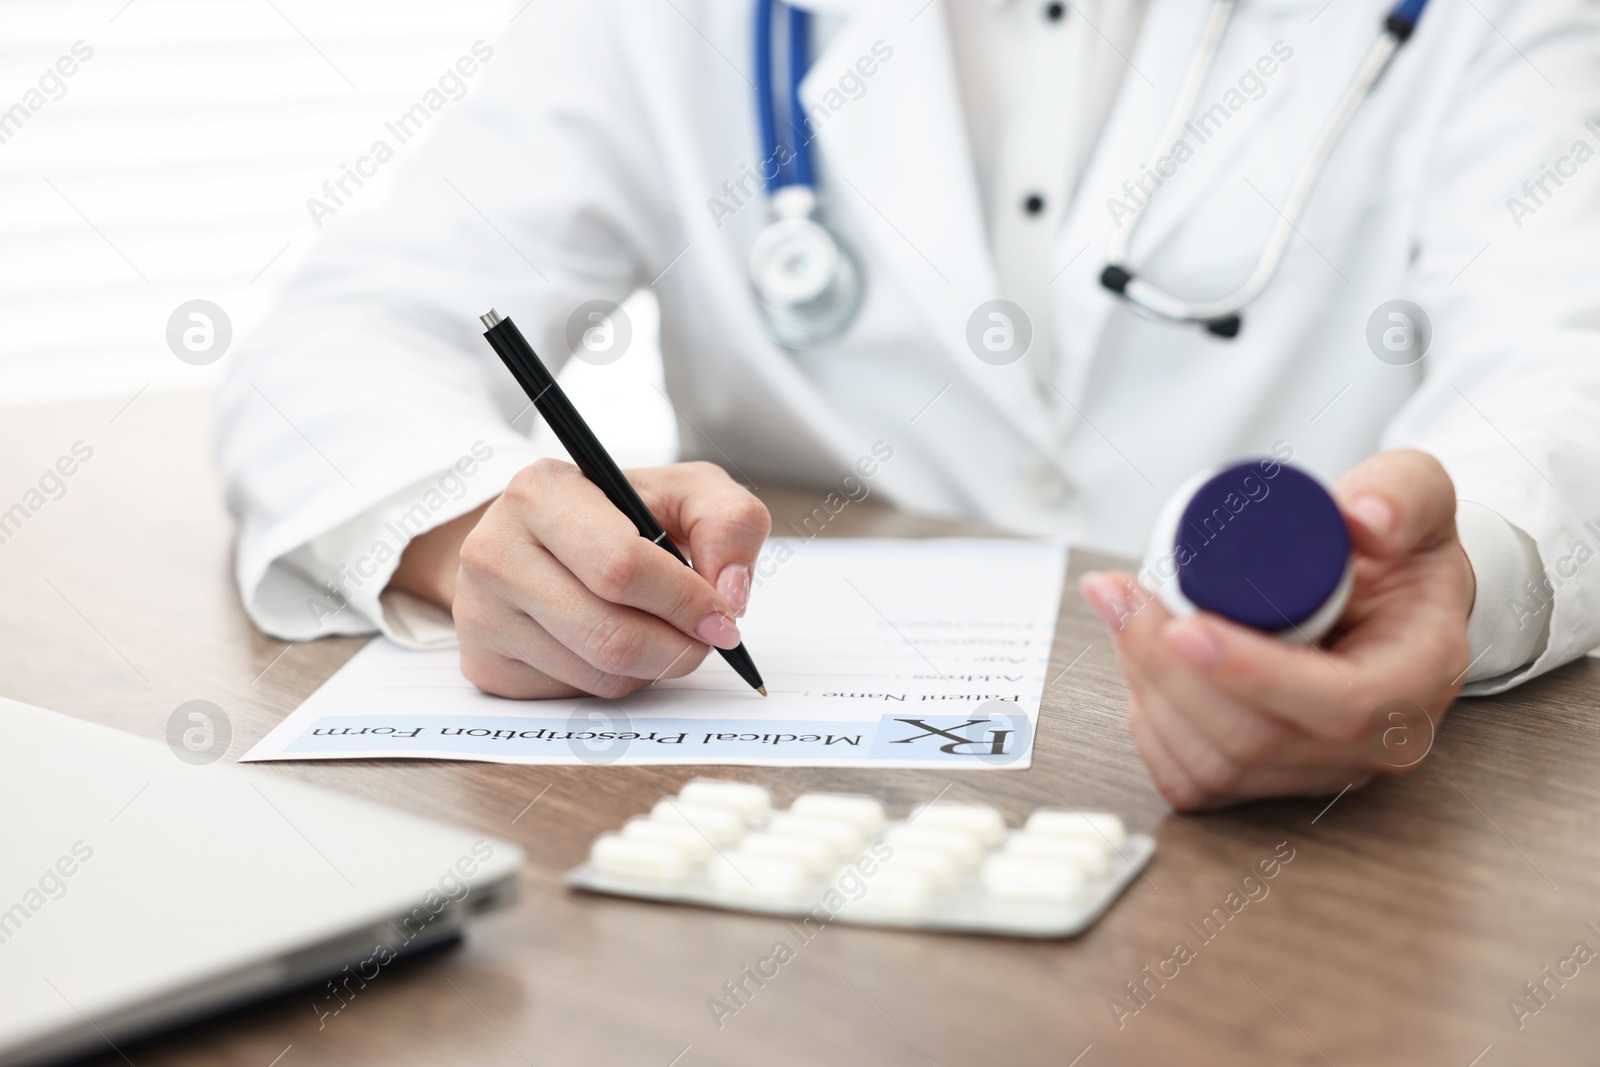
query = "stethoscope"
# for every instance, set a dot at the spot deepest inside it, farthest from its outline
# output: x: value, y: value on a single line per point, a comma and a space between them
x: 1222, y: 317
x: 807, y: 284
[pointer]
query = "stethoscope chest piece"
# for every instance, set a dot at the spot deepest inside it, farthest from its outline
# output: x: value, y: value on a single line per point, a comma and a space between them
x: 807, y: 283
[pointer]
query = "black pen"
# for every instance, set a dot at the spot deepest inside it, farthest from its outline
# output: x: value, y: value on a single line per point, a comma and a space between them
x: 589, y: 454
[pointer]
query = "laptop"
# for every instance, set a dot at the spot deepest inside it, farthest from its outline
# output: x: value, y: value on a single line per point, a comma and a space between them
x: 139, y: 891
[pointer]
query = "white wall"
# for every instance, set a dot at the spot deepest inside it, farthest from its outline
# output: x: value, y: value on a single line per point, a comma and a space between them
x: 175, y: 163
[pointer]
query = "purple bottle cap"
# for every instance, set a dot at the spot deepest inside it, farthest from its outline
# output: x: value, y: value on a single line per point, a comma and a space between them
x: 1265, y: 551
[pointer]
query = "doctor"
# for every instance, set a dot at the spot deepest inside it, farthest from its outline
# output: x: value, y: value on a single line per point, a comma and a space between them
x: 1395, y: 286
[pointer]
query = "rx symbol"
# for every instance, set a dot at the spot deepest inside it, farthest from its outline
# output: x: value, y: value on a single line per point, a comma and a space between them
x: 994, y: 744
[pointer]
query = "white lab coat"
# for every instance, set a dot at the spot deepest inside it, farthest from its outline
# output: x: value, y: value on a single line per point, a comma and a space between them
x: 584, y: 167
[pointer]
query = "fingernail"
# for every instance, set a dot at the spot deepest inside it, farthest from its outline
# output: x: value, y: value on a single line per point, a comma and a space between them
x: 1375, y: 514
x: 718, y: 629
x: 734, y: 585
x: 1194, y: 643
x: 1105, y: 595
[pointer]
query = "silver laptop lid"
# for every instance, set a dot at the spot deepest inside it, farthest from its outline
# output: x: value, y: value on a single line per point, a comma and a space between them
x: 137, y: 889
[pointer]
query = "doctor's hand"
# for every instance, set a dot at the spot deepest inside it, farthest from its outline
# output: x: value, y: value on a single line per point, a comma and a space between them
x: 555, y: 594
x: 1221, y: 713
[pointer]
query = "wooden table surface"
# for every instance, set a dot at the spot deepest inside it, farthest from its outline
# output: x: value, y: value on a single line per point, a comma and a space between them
x: 1409, y: 916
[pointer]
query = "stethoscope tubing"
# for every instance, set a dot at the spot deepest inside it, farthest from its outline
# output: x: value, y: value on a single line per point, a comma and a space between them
x: 1225, y: 310
x: 1221, y: 315
x: 1188, y: 93
x: 800, y: 170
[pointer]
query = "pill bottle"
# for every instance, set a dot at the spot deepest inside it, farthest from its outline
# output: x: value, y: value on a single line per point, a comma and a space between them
x: 1258, y: 542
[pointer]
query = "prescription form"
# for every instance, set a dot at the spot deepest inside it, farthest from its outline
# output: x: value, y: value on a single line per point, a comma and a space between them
x: 876, y: 652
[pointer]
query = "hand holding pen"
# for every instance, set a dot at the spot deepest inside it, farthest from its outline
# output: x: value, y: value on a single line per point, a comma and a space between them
x: 568, y: 583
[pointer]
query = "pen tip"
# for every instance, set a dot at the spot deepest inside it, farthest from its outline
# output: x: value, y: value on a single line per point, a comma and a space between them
x: 761, y: 689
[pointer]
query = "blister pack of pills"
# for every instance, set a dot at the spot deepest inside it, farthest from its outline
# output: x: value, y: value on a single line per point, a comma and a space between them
x: 838, y: 857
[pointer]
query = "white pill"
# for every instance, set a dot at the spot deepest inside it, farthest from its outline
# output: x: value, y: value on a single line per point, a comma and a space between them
x: 656, y: 862
x: 751, y: 801
x: 682, y: 835
x: 865, y: 812
x: 938, y: 866
x: 980, y: 819
x: 1096, y: 825
x: 818, y: 857
x: 900, y: 892
x: 843, y: 837
x: 1091, y: 856
x: 722, y: 825
x: 751, y: 877
x: 961, y: 846
x: 1012, y: 876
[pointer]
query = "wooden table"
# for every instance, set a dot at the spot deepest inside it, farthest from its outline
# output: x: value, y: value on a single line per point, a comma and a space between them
x: 1409, y: 916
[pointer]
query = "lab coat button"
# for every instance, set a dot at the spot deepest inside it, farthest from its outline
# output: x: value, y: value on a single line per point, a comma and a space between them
x: 1046, y: 484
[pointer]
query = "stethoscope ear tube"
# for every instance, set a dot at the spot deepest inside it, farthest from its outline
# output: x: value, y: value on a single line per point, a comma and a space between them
x: 1404, y: 18
x: 1223, y: 317
x: 1117, y: 279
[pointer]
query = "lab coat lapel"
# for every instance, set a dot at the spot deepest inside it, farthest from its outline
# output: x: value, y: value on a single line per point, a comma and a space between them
x: 897, y: 160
